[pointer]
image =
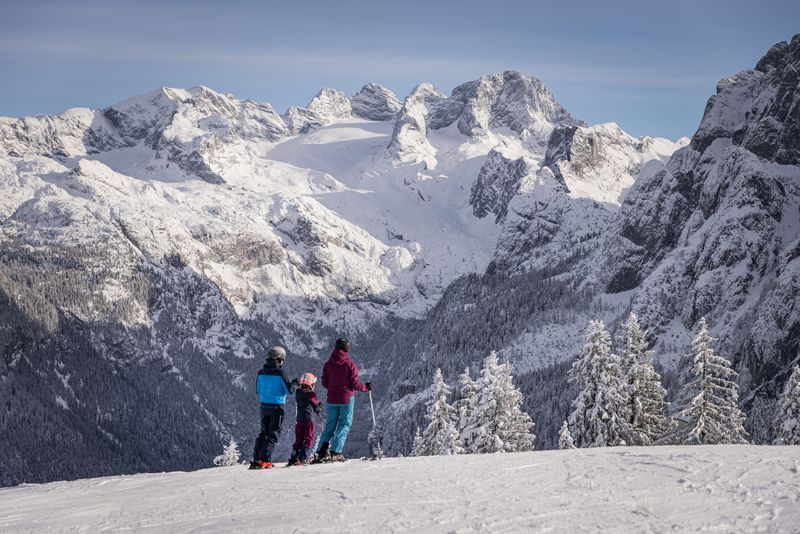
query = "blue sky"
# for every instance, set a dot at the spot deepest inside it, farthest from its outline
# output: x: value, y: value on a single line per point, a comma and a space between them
x: 648, y: 66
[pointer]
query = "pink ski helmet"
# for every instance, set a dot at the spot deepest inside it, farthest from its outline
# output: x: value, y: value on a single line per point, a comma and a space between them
x: 308, y: 379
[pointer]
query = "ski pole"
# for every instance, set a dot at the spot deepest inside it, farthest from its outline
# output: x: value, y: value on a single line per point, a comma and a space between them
x: 372, y: 408
x: 375, y: 435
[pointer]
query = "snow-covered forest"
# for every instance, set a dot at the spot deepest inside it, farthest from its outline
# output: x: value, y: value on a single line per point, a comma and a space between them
x: 620, y: 401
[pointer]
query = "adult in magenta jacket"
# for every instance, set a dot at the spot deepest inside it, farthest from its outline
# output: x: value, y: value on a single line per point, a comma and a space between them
x: 340, y: 378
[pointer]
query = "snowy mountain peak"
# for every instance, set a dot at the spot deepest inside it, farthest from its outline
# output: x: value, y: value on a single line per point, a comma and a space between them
x: 326, y: 106
x: 410, y: 137
x: 330, y: 104
x: 509, y: 100
x: 187, y: 125
x: 758, y: 108
x: 375, y: 102
x: 187, y: 113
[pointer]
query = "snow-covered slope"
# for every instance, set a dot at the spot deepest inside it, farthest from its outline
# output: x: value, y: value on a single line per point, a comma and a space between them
x: 637, y: 489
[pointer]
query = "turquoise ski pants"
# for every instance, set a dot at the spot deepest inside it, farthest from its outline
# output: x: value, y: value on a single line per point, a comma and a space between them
x: 340, y: 419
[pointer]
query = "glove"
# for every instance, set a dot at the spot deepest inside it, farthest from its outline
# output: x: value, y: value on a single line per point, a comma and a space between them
x: 368, y: 386
x: 295, y: 382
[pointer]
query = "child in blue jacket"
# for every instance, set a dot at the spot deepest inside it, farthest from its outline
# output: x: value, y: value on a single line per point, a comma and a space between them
x: 273, y: 386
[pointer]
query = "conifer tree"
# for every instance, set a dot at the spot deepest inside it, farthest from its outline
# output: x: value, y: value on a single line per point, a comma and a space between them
x: 599, y: 415
x: 496, y: 422
x: 565, y: 438
x: 787, y: 421
x: 440, y: 437
x: 374, y: 440
x: 462, y: 406
x: 415, y: 446
x: 644, y: 393
x: 230, y: 455
x: 709, y: 402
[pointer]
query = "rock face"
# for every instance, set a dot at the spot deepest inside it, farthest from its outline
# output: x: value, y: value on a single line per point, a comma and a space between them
x: 375, y: 102
x: 714, y: 231
x: 546, y: 227
x: 758, y: 109
x: 497, y: 183
x: 773, y: 128
x: 301, y: 120
x: 602, y: 161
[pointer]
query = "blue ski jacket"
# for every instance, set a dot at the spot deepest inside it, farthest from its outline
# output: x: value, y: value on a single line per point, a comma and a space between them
x: 272, y: 384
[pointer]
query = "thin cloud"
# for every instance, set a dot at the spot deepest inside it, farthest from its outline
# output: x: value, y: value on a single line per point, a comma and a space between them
x: 342, y: 63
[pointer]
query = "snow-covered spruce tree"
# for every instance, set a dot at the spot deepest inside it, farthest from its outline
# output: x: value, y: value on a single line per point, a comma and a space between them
x: 230, y: 455
x: 496, y: 422
x: 462, y: 405
x: 415, y: 446
x: 708, y: 411
x: 644, y: 393
x: 565, y: 438
x: 787, y: 421
x: 374, y: 441
x: 440, y: 437
x: 599, y: 415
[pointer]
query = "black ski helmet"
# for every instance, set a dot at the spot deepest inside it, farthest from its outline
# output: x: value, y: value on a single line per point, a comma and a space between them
x: 277, y: 353
x: 343, y: 344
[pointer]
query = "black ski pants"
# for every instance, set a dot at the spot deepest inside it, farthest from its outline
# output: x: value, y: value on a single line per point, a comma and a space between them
x: 271, y: 421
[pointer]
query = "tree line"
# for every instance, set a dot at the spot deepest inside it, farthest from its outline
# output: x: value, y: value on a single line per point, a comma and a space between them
x: 620, y: 401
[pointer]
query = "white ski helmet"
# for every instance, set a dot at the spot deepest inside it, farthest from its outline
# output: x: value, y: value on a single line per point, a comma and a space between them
x: 277, y: 353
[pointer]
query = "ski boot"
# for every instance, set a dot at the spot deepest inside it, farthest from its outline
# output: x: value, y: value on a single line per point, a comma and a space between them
x: 294, y: 459
x: 254, y: 465
x: 336, y: 457
x: 265, y: 465
x: 323, y: 455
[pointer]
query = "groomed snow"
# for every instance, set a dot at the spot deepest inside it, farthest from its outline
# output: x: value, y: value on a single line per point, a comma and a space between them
x: 645, y: 489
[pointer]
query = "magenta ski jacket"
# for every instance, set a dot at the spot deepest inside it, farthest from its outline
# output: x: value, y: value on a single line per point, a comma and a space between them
x: 340, y: 378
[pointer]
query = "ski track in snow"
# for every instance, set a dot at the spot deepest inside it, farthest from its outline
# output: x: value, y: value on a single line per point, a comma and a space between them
x: 731, y: 488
